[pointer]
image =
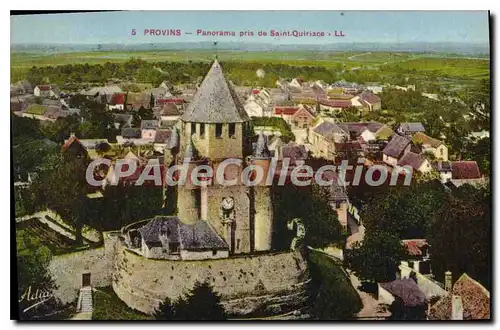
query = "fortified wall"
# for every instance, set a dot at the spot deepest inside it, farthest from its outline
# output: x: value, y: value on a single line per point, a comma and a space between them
x: 68, y: 269
x: 250, y: 285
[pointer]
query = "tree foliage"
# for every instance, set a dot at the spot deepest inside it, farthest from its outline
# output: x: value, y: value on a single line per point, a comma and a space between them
x: 312, y: 206
x: 201, y: 303
x: 460, y: 237
x: 378, y: 257
x: 403, y: 211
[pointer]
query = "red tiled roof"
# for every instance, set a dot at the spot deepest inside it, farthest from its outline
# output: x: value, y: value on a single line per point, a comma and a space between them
x: 306, y: 110
x: 413, y: 246
x: 336, y: 103
x: 170, y: 100
x: 69, y: 142
x: 465, y: 170
x: 45, y: 87
x: 475, y: 301
x: 285, y: 110
x: 118, y: 98
x: 255, y: 91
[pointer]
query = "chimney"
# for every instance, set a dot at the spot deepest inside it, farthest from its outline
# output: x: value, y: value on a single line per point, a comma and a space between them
x: 457, y: 309
x: 447, y: 281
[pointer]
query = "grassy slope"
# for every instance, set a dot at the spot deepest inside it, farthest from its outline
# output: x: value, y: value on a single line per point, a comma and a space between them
x: 107, y: 306
x: 336, y: 298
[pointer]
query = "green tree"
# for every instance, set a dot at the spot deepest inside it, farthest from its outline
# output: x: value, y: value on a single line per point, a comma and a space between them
x: 460, y: 237
x: 405, y: 211
x: 201, y: 303
x: 33, y: 260
x: 377, y: 258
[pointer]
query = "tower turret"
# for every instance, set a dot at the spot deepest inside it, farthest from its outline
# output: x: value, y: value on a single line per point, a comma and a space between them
x: 261, y: 195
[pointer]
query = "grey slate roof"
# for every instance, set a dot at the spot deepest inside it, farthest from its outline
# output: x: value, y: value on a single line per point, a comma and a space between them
x: 149, y: 124
x: 407, y: 290
x: 193, y: 237
x: 328, y: 128
x: 411, y: 127
x: 215, y: 101
x: 294, y: 151
x: 131, y: 133
x: 412, y: 159
x: 396, y: 146
x: 200, y: 236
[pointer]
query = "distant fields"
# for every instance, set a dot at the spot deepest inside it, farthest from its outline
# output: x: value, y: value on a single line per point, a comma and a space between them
x: 383, y: 62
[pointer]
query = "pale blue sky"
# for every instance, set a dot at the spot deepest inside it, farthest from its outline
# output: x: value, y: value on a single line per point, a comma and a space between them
x: 358, y: 26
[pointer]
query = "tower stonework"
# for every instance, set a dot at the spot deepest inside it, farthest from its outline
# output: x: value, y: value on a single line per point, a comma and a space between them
x: 214, y: 128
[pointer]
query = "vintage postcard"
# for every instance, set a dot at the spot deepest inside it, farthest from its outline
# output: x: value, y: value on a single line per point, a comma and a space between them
x: 251, y: 165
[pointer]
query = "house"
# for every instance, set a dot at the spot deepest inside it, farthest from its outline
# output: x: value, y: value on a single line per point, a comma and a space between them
x: 375, y: 89
x: 135, y: 101
x: 431, y: 146
x: 408, y: 129
x: 21, y: 87
x: 131, y: 133
x: 405, y: 298
x: 149, y: 128
x: 74, y: 147
x: 121, y: 120
x: 337, y: 196
x: 395, y: 149
x: 159, y: 93
x: 465, y: 170
x: 296, y: 84
x: 418, y: 252
x: 302, y: 118
x: 117, y: 102
x: 166, y: 237
x: 416, y: 161
x: 282, y: 84
x: 467, y: 300
x: 374, y: 131
x: 104, y: 90
x: 168, y: 112
x: 285, y: 112
x: 255, y: 107
x: 47, y: 91
x: 369, y: 101
x: 346, y: 87
x: 320, y: 85
x: 444, y: 170
x: 296, y: 153
x: 323, y: 138
x: 330, y: 105
x: 162, y: 137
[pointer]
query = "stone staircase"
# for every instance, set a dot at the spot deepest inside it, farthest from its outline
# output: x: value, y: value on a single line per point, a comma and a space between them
x: 85, y: 300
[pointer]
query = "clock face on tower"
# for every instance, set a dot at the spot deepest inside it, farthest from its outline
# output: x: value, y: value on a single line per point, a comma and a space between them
x: 227, y: 203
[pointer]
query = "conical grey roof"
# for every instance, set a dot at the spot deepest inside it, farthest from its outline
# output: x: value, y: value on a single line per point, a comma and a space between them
x: 191, y: 151
x: 261, y: 149
x: 215, y: 101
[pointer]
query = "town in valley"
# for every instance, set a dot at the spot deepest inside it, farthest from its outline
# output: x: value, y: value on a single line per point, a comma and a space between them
x: 401, y: 232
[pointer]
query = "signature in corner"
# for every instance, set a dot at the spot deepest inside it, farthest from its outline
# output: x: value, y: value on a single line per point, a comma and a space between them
x: 38, y: 297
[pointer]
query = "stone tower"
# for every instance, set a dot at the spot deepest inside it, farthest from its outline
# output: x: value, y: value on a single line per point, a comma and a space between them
x: 261, y: 196
x: 215, y: 127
